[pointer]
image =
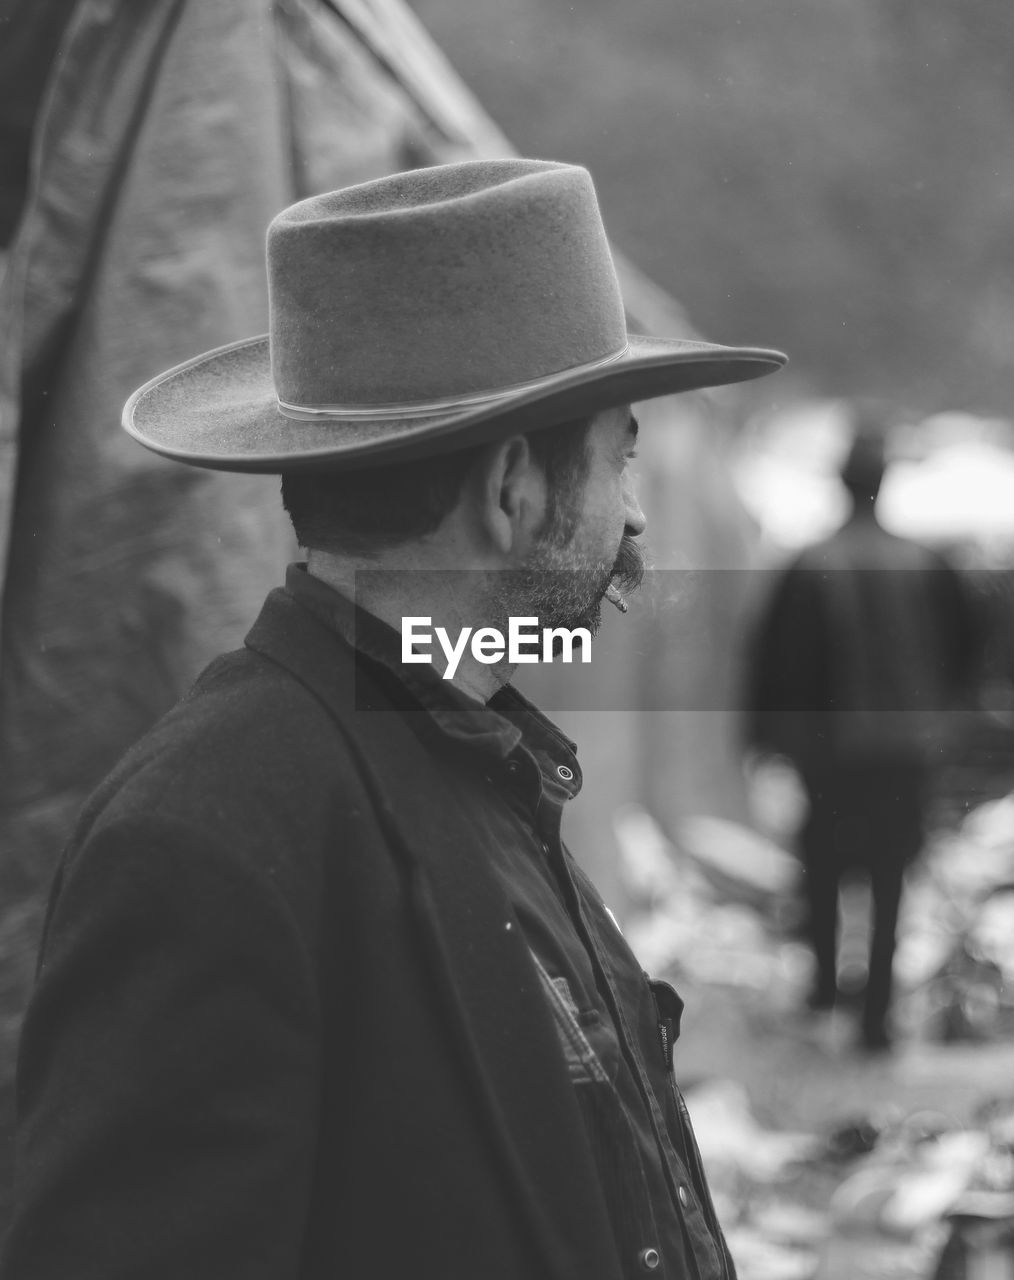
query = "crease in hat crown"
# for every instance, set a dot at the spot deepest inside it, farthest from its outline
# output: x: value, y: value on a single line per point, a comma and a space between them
x: 440, y: 288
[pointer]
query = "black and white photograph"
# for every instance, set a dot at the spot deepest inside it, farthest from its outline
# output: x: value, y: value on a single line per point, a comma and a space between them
x: 506, y: 640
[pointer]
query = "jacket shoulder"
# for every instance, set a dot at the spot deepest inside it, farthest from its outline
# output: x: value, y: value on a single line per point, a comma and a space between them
x: 247, y: 730
x: 250, y: 764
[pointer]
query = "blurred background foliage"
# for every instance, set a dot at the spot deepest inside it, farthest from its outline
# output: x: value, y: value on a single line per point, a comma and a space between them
x: 834, y: 177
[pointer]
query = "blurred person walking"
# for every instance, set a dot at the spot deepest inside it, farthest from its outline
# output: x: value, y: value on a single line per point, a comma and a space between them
x: 867, y: 643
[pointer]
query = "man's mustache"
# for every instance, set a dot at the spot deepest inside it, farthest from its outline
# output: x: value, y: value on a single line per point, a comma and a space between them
x: 629, y: 566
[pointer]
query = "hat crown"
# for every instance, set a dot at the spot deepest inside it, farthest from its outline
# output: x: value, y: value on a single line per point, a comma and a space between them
x: 458, y: 280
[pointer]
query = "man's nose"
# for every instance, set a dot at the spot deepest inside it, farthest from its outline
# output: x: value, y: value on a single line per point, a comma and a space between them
x: 634, y: 519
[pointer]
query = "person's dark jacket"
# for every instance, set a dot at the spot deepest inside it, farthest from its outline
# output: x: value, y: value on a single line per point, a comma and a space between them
x: 283, y: 1025
x: 865, y: 648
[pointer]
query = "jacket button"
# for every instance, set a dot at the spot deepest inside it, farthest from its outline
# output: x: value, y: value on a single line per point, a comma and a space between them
x: 650, y: 1259
x: 684, y: 1196
x: 563, y: 772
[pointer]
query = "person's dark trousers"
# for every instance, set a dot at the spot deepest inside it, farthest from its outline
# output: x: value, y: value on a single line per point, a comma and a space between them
x: 886, y: 880
x: 821, y: 885
x: 865, y: 816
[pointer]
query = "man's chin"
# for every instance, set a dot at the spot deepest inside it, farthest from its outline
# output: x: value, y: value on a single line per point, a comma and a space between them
x: 589, y: 619
x: 561, y: 599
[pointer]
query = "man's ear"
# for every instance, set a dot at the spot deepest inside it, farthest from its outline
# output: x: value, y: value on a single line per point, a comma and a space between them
x: 510, y: 494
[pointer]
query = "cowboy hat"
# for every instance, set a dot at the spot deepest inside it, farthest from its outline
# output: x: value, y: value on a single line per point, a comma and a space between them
x: 421, y: 313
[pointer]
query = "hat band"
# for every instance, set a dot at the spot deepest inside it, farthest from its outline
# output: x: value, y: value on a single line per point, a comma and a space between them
x: 434, y: 408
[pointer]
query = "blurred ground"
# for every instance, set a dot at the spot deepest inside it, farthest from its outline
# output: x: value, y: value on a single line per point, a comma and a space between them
x: 803, y: 1078
x: 803, y: 1075
x: 828, y: 1162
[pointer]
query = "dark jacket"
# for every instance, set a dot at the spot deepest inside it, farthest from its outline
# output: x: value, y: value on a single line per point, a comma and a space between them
x: 867, y: 646
x: 353, y: 1070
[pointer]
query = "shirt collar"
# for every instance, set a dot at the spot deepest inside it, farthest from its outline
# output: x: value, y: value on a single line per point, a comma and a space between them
x: 498, y: 728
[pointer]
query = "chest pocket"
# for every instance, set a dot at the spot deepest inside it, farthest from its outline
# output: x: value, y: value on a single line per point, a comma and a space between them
x: 589, y: 1044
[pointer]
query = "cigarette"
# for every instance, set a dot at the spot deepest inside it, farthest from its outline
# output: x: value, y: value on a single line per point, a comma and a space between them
x: 614, y: 597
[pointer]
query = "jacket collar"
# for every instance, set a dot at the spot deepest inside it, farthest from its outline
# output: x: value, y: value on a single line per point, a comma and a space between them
x: 378, y: 645
x: 494, y: 731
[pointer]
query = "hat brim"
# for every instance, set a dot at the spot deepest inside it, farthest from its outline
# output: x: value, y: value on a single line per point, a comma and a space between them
x: 220, y: 410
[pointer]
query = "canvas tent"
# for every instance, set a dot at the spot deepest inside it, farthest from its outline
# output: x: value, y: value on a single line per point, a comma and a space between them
x: 169, y: 133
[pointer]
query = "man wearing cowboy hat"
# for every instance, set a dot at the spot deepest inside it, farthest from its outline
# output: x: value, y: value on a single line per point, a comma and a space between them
x: 321, y: 991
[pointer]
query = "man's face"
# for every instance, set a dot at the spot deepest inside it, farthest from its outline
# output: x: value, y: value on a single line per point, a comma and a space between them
x: 590, y: 543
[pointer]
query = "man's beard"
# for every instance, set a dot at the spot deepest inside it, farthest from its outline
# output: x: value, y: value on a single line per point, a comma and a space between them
x: 551, y: 588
